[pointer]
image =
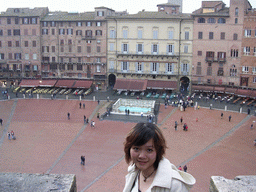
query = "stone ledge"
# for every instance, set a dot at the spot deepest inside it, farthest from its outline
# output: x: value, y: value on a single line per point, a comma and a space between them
x: 10, y: 182
x: 240, y: 183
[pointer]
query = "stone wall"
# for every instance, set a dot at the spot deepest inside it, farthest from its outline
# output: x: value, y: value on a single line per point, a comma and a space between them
x: 10, y: 182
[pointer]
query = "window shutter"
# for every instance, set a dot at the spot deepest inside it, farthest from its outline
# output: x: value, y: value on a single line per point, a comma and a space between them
x: 122, y: 48
x: 172, y: 49
x: 151, y: 67
x: 142, y: 66
x: 127, y: 66
x: 127, y: 48
x: 181, y: 67
x: 151, y: 50
x: 157, y: 67
x: 170, y: 35
x: 167, y: 49
x: 142, y: 48
x: 122, y: 66
x: 157, y: 49
x: 166, y: 67
x: 137, y: 50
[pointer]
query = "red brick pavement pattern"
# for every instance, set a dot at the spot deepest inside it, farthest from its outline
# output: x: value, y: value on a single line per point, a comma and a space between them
x: 5, y: 110
x: 43, y: 133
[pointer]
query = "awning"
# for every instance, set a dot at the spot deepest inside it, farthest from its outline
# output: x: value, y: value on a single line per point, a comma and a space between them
x: 219, y: 89
x: 30, y: 83
x: 230, y: 90
x: 83, y: 84
x: 243, y: 92
x: 65, y: 83
x: 130, y: 85
x: 208, y: 88
x: 47, y: 83
x: 168, y: 85
x: 197, y: 87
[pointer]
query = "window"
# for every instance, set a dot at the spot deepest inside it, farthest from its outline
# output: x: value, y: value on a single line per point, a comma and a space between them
x: 1, y: 32
x: 139, y: 48
x: 70, y: 67
x: 186, y: 35
x: 34, y: 43
x: 61, y: 31
x: 17, y: 56
x: 16, y: 32
x: 234, y: 53
x: 79, y: 32
x: 199, y: 53
x: 221, y: 55
x: 44, y: 31
x: 98, y: 60
x: 140, y: 33
x: 209, y: 55
x: 98, y: 49
x: 9, y: 21
x: 62, y: 42
x: 53, y: 31
x: 69, y: 48
x: 79, y: 67
x: 220, y: 72
x: 10, y: 56
x: 245, y: 69
x: 112, y: 33
x: 53, y: 49
x: 9, y: 44
x: 211, y: 20
x: 0, y: 43
x: 33, y: 31
x: 221, y: 20
x: 170, y: 34
x: 9, y: 32
x: 236, y: 20
x: 100, y: 13
x: 53, y: 24
x: 69, y: 31
x: 154, y: 67
x: 26, y: 56
x: 98, y: 24
x: 247, y: 50
x: 235, y: 36
x: 155, y: 49
x: 70, y: 42
x: 79, y: 49
x: 139, y: 66
x: 169, y: 67
x: 1, y: 56
x: 210, y: 35
x: 88, y: 23
x: 254, y: 80
x: 125, y: 33
x: 253, y: 70
x: 170, y: 49
x: 33, y: 20
x: 254, y: 51
x: 222, y: 35
x: 201, y: 20
x: 247, y: 32
x: 111, y: 46
x: 25, y: 43
x: 62, y: 49
x: 155, y: 33
x: 125, y: 66
x: 88, y: 33
x: 79, y: 23
x: 88, y: 49
x: 236, y: 11
x: 16, y: 20
x: 98, y: 33
x: 233, y: 72
x: 200, y: 35
x: 125, y: 48
x: 17, y: 43
x: 185, y: 48
x: 45, y: 24
x: 34, y: 56
x: 198, y: 69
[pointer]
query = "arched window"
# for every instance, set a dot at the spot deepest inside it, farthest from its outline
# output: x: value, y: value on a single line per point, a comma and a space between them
x: 236, y: 20
x: 221, y: 20
x: 236, y: 11
x: 211, y: 20
x: 235, y: 36
x: 201, y: 20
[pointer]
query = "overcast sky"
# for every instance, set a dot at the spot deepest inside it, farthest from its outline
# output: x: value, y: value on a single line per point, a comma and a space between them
x: 132, y: 6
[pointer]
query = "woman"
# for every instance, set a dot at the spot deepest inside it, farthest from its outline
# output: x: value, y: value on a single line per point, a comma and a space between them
x: 150, y: 171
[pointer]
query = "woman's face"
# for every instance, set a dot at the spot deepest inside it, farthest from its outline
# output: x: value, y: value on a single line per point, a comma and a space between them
x: 144, y: 156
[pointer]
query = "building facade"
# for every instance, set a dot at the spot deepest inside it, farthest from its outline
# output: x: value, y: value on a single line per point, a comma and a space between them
x: 248, y: 60
x: 153, y: 46
x: 20, y: 53
x: 217, y: 44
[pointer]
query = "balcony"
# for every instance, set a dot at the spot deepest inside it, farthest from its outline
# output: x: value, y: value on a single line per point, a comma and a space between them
x: 215, y: 60
x: 88, y: 37
x: 147, y: 54
x: 147, y: 73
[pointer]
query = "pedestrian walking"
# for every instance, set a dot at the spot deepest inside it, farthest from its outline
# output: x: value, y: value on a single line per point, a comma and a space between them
x: 128, y: 111
x: 12, y: 134
x: 181, y: 120
x: 221, y: 115
x: 184, y: 127
x: 180, y: 168
x: 1, y: 122
x: 9, y: 136
x: 196, y: 119
x: 68, y: 116
x: 98, y: 102
x: 251, y: 126
x: 80, y: 105
x: 185, y: 168
x: 93, y: 124
x: 108, y: 98
x: 84, y: 105
x: 249, y: 111
x: 84, y: 119
x: 229, y: 118
x: 176, y: 124
x: 82, y: 160
x: 87, y: 121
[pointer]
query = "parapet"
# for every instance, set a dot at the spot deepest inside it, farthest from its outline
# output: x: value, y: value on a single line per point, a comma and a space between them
x: 240, y: 183
x: 37, y: 182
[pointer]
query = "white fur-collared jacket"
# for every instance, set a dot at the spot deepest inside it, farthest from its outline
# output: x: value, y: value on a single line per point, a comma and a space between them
x: 167, y: 179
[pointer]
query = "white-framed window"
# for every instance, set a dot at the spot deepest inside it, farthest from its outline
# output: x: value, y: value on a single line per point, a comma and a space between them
x: 112, y: 33
x: 125, y: 33
x: 253, y: 70
x: 35, y: 67
x: 247, y: 32
x: 111, y: 65
x: 140, y: 32
x: 69, y: 31
x: 26, y: 56
x: 233, y: 72
x: 185, y: 48
x: 125, y: 48
x: 184, y: 67
x: 44, y: 31
x: 100, y: 13
x: 98, y: 24
x: 1, y: 56
x: 234, y: 53
x: 247, y: 50
x: 34, y: 56
x: 245, y: 69
x: 170, y: 49
x: 154, y: 67
x: 155, y: 34
x: 125, y: 66
x: 154, y: 49
x: 62, y: 31
x: 139, y: 48
x: 98, y: 60
x: 89, y: 23
x: 79, y: 23
x: 254, y: 51
x: 170, y: 34
x: 254, y: 80
x: 139, y: 67
x: 111, y: 46
x: 169, y: 67
x: 98, y: 69
x: 186, y: 35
